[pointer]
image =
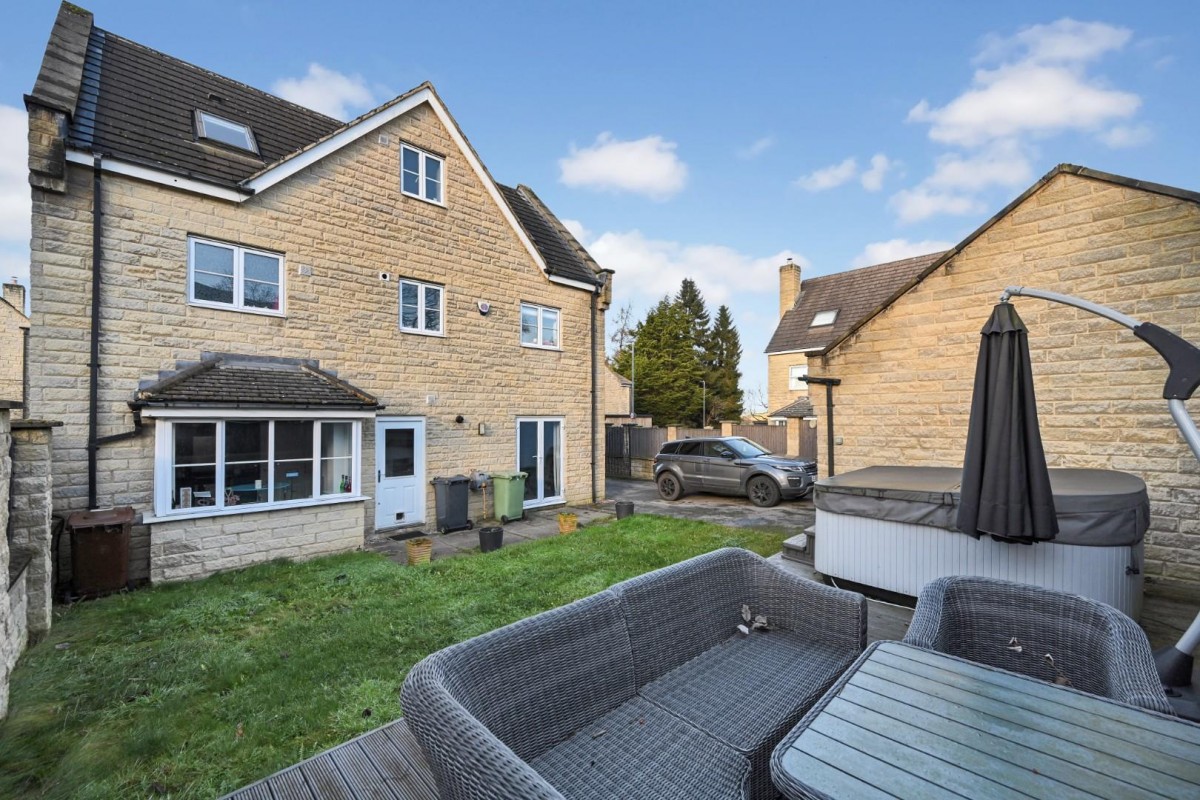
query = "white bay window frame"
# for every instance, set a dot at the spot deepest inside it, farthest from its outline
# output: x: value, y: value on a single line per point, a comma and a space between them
x: 164, y: 459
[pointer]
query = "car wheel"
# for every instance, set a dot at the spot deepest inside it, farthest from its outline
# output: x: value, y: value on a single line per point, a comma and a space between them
x: 763, y: 491
x: 669, y: 487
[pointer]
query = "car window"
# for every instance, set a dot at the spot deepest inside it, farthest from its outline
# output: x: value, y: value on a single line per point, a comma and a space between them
x: 689, y: 449
x: 747, y: 448
x: 670, y: 448
x: 717, y: 450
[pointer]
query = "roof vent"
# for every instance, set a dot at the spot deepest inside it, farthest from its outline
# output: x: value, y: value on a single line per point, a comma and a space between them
x: 216, y: 98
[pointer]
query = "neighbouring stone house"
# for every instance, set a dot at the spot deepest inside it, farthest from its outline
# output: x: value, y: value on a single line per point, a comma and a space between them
x: 906, y: 366
x: 618, y: 400
x: 300, y: 322
x: 14, y: 333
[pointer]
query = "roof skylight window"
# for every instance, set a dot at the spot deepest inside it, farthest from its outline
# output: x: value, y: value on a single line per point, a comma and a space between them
x: 823, y: 318
x: 216, y: 129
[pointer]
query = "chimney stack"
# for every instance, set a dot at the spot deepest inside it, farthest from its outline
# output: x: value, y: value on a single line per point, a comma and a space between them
x: 14, y: 293
x: 789, y: 286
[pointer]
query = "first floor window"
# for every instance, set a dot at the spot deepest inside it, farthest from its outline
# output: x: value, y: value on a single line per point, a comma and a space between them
x: 796, y: 375
x: 231, y: 463
x: 539, y: 326
x: 229, y: 276
x: 420, y: 307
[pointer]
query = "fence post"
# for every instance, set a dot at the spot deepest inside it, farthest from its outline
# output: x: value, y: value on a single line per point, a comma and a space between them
x: 727, y: 427
x: 672, y: 433
x: 795, y: 425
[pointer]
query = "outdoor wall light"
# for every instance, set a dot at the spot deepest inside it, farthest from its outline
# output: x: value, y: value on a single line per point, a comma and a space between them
x: 483, y: 429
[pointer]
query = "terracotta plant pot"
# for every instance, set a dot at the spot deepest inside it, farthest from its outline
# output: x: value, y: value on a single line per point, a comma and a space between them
x: 419, y: 550
x: 567, y: 522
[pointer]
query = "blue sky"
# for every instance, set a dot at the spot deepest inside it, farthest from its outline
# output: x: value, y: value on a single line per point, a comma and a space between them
x: 711, y: 140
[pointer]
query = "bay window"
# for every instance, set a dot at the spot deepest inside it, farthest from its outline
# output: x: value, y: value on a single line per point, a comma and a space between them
x: 206, y: 466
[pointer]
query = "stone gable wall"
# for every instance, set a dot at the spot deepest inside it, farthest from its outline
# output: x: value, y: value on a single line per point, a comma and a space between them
x: 907, y: 375
x: 346, y: 219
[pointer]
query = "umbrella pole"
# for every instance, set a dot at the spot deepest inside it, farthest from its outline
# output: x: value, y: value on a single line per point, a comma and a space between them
x: 1175, y: 662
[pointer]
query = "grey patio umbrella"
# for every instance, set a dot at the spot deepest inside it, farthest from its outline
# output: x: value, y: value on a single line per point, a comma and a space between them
x: 1005, y: 484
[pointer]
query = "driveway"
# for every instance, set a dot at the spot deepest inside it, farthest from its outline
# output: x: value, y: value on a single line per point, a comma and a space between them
x: 736, y: 512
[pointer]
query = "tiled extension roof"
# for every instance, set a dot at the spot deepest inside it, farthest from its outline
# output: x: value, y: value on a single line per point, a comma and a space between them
x: 244, y: 382
x: 856, y: 295
x: 800, y: 408
x: 564, y: 259
x: 139, y: 105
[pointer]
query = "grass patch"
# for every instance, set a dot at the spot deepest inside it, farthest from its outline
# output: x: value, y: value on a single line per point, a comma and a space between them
x: 197, y: 689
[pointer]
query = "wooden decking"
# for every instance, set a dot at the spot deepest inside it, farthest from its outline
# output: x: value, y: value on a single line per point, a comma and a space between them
x: 385, y: 763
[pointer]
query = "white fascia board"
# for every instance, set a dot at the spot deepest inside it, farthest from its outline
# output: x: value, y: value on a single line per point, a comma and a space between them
x: 574, y: 283
x: 805, y: 351
x: 150, y: 175
x: 197, y: 412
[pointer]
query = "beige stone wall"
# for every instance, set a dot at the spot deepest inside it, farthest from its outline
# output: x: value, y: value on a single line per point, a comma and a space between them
x: 907, y: 375
x: 187, y: 549
x: 778, y: 393
x: 32, y: 498
x: 346, y: 220
x: 12, y: 625
x: 616, y: 394
x: 13, y: 325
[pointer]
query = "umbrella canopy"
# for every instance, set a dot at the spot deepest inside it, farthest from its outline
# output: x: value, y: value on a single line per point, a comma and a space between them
x: 1005, y: 483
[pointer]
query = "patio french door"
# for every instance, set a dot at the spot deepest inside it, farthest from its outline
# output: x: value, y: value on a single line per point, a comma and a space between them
x: 540, y: 457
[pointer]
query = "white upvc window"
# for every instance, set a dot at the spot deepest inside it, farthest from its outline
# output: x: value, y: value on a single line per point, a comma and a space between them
x: 796, y: 374
x: 222, y: 275
x: 226, y: 131
x: 207, y: 466
x: 540, y: 326
x: 422, y: 307
x: 823, y: 318
x: 422, y: 175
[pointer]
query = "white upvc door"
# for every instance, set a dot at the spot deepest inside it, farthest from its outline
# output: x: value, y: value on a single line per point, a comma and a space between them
x: 399, y: 471
x: 540, y: 457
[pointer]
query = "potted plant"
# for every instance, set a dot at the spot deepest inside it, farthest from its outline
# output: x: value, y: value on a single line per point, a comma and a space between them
x: 419, y: 550
x: 567, y: 522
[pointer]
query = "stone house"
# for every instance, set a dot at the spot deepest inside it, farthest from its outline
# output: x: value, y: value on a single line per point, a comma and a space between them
x: 14, y: 338
x: 296, y: 322
x: 905, y: 367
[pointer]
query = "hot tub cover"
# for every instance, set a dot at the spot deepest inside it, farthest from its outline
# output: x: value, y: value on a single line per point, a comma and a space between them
x: 1096, y: 507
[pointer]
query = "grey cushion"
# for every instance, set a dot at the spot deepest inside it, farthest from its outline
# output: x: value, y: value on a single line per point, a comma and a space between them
x: 640, y: 751
x: 749, y: 692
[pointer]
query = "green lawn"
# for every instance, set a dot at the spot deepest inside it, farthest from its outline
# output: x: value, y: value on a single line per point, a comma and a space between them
x: 194, y: 690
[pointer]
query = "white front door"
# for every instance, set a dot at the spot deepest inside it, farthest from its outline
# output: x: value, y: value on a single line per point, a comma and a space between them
x: 399, y: 471
x: 540, y: 457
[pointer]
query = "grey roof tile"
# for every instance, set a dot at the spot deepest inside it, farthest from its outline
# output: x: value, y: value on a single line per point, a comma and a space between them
x: 225, y: 381
x: 855, y: 294
x: 798, y: 408
x: 561, y: 258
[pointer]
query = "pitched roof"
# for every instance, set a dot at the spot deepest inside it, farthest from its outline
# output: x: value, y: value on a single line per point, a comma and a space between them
x: 242, y: 381
x: 561, y: 257
x: 856, y: 295
x: 800, y: 408
x: 138, y: 106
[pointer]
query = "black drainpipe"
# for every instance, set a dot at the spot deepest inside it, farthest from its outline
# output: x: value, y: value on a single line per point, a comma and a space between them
x: 595, y: 399
x: 94, y: 365
x: 828, y: 383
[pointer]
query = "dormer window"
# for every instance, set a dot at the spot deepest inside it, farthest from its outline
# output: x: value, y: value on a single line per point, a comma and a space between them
x: 822, y: 318
x: 227, y: 132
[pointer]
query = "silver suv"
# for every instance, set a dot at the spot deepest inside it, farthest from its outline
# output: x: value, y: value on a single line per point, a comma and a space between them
x: 731, y: 465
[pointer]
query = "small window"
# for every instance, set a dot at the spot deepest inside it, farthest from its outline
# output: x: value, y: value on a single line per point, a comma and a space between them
x: 228, y: 276
x: 214, y: 128
x: 421, y: 307
x: 823, y: 318
x: 421, y: 174
x: 796, y: 375
x: 539, y: 326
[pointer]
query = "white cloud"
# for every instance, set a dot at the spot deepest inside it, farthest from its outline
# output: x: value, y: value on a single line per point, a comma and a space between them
x: 577, y: 229
x: 1041, y: 86
x: 652, y: 268
x: 757, y: 148
x: 1001, y: 164
x: 647, y: 166
x: 829, y: 177
x: 914, y: 205
x: 896, y: 249
x: 14, y: 176
x: 1127, y: 136
x: 872, y: 179
x: 327, y: 91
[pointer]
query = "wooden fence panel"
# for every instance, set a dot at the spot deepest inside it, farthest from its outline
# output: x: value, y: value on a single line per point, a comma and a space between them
x: 772, y: 437
x: 646, y: 442
x: 695, y: 433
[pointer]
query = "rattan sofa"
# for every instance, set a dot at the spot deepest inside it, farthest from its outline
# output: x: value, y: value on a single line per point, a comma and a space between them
x: 1094, y: 646
x: 645, y: 690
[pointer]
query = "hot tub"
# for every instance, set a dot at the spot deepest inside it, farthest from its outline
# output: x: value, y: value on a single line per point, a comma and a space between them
x: 893, y: 528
